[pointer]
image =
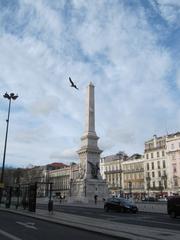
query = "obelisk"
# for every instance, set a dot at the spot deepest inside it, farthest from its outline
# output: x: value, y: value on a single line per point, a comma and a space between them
x: 89, y: 182
x: 89, y: 152
x: 90, y: 110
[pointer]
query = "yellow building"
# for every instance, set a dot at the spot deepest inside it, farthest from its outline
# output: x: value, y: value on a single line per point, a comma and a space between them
x: 111, y: 171
x: 133, y: 176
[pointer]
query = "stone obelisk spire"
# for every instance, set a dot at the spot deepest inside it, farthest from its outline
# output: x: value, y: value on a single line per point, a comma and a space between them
x: 89, y: 152
x: 90, y: 111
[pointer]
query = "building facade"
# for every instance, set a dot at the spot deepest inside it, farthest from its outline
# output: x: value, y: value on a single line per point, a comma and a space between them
x: 173, y: 157
x: 155, y: 167
x: 63, y: 178
x: 111, y: 171
x: 156, y: 173
x: 133, y: 176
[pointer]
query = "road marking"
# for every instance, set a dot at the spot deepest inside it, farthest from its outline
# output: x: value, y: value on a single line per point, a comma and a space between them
x: 10, y: 236
x: 28, y: 225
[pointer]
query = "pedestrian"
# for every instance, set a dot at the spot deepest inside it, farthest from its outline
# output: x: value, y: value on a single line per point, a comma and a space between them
x: 95, y: 199
x: 60, y: 198
x: 24, y: 203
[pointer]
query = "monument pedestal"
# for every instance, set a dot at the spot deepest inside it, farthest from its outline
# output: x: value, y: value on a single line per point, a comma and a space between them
x: 84, y: 190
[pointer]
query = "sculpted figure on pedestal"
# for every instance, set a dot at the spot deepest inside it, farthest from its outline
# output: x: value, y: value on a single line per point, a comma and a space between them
x: 94, y: 169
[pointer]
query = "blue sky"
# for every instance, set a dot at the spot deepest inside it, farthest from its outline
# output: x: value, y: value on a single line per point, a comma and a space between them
x: 129, y: 49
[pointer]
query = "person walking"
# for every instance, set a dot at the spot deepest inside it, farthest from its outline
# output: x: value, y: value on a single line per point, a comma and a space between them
x: 95, y: 199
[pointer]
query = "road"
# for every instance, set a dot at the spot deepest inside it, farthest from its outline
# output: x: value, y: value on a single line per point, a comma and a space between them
x: 17, y: 227
x: 144, y: 219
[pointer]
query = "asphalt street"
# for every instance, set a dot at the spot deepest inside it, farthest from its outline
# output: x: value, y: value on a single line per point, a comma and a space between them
x: 17, y: 227
x: 144, y: 219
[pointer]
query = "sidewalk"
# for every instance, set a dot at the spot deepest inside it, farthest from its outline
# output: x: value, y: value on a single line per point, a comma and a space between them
x: 107, y: 227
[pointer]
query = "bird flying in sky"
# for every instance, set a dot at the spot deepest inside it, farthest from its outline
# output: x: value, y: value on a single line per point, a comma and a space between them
x: 72, y: 83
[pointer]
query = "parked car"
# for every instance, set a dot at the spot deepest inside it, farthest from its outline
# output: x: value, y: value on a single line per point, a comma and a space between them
x: 120, y: 204
x: 162, y: 199
x: 149, y: 199
x: 173, y: 206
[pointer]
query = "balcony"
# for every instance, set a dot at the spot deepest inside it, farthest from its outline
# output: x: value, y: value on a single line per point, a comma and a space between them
x: 113, y: 171
x: 134, y: 189
x: 133, y: 170
x: 149, y: 149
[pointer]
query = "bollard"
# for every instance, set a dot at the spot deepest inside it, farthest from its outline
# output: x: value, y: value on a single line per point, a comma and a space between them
x: 50, y: 206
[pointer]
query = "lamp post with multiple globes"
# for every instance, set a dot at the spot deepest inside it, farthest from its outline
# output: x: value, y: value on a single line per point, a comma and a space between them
x: 10, y: 97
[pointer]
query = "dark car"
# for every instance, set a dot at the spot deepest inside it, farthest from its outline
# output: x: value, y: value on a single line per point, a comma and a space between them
x: 173, y: 206
x: 120, y: 204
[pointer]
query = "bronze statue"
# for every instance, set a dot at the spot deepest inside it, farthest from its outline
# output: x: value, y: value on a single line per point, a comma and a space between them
x: 94, y: 169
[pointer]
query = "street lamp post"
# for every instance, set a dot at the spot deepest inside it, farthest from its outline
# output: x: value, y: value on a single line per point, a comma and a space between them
x: 70, y: 186
x: 85, y: 189
x: 130, y: 189
x: 163, y: 183
x: 161, y: 188
x: 148, y: 179
x: 120, y: 191
x: 10, y: 97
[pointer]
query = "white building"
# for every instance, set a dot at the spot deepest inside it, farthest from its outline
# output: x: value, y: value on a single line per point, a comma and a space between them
x: 156, y: 167
x: 62, y: 179
x: 173, y: 155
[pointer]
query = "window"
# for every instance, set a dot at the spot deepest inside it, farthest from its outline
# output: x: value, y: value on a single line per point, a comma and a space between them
x: 158, y: 163
x: 174, y: 168
x: 147, y: 156
x: 164, y: 164
x: 154, y: 185
x: 175, y: 181
x: 152, y: 165
x: 153, y: 174
x: 173, y: 156
x: 157, y: 154
x: 147, y: 166
x: 151, y: 155
x: 159, y: 173
x: 172, y: 146
x: 163, y: 153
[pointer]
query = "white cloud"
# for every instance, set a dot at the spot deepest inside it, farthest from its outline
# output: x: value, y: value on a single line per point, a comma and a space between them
x: 170, y: 11
x: 66, y: 156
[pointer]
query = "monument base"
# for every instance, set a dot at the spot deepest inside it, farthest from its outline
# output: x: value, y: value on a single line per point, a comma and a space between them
x: 84, y: 190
